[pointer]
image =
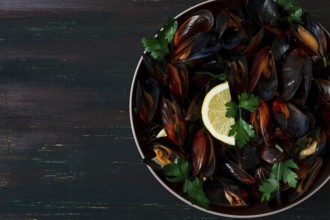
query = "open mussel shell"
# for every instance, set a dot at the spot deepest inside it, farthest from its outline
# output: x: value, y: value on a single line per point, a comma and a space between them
x: 236, y: 172
x: 307, y: 174
x: 225, y: 192
x: 289, y: 118
x: 310, y: 145
x: 201, y: 22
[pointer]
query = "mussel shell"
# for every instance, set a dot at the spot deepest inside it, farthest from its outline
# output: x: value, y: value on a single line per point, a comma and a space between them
x: 231, y: 39
x: 202, y: 155
x: 296, y: 65
x: 195, y: 106
x: 201, y: 56
x: 254, y: 44
x: 307, y: 174
x: 320, y: 91
x: 156, y: 69
x: 224, y: 192
x: 178, y: 80
x: 173, y: 121
x: 264, y: 12
x: 272, y: 154
x: 281, y: 45
x: 310, y: 145
x: 147, y: 99
x: 303, y: 91
x: 289, y: 118
x: 261, y: 175
x: 268, y: 83
x: 201, y: 22
x: 326, y: 119
x: 237, y: 73
x: 262, y: 121
x: 237, y: 173
x: 306, y: 40
x: 248, y: 158
x: 192, y: 45
x: 315, y: 29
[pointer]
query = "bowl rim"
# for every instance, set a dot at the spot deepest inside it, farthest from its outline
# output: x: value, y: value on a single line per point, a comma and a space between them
x: 131, y: 113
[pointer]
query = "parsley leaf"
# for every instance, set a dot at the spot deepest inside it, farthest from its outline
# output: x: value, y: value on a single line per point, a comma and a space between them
x: 248, y: 102
x: 231, y: 109
x: 194, y: 190
x: 294, y: 13
x: 269, y: 188
x: 179, y: 172
x: 158, y: 46
x: 242, y: 130
x: 280, y: 172
x: 295, y: 16
x: 288, y: 175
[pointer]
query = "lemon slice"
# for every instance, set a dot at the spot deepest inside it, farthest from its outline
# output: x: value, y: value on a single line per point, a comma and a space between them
x: 214, y: 113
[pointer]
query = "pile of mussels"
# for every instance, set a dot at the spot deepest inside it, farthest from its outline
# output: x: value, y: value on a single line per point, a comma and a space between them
x: 284, y: 64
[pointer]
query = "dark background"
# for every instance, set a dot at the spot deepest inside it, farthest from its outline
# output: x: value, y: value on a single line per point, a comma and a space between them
x: 66, y: 147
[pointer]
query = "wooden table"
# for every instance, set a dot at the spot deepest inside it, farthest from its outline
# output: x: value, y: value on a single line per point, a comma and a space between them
x: 66, y: 147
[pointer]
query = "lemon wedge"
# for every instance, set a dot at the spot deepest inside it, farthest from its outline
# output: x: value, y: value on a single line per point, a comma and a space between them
x: 214, y: 113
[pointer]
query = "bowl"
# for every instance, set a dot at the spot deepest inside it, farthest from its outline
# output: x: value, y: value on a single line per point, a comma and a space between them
x: 140, y: 135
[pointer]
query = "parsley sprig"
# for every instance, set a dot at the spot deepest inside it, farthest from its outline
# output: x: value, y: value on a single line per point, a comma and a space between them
x: 281, y: 172
x: 179, y: 172
x: 242, y: 130
x: 159, y: 46
x: 294, y: 13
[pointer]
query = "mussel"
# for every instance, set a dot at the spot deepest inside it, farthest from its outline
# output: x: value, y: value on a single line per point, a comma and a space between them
x: 236, y: 172
x: 320, y: 90
x: 147, y: 98
x: 289, y: 118
x: 225, y: 192
x: 178, y: 80
x: 201, y: 22
x: 202, y: 155
x: 263, y: 74
x: 296, y: 67
x: 237, y: 73
x: 310, y: 145
x: 265, y: 13
x: 262, y: 121
x: 173, y: 121
x: 307, y: 173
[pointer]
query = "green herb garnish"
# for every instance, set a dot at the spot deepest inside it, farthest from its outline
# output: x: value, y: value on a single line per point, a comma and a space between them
x: 242, y: 130
x: 281, y: 172
x: 179, y: 172
x: 158, y: 46
x: 294, y: 13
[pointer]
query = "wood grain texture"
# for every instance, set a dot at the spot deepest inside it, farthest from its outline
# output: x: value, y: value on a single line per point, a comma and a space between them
x: 66, y: 147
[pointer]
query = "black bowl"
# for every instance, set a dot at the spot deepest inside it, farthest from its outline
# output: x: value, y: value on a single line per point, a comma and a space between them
x: 142, y: 142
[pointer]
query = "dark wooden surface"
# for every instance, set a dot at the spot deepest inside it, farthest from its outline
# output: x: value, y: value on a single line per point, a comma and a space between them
x: 66, y: 147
